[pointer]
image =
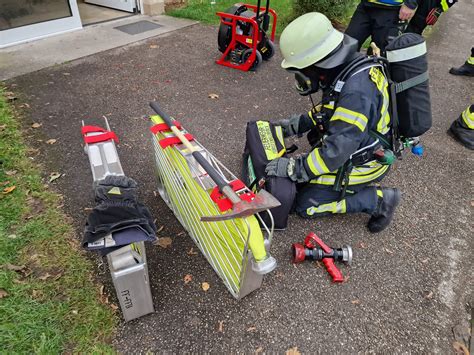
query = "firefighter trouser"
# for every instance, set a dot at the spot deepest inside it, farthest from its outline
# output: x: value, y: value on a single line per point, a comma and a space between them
x: 463, y: 128
x: 418, y: 22
x: 376, y: 22
x: 314, y: 200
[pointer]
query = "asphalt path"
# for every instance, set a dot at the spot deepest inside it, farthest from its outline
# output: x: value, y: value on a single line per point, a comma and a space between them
x: 408, y: 286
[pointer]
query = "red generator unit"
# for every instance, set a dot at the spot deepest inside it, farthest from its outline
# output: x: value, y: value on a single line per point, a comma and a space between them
x: 243, y: 39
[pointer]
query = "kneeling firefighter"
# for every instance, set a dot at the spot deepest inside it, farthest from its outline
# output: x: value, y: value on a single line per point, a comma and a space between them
x: 350, y: 130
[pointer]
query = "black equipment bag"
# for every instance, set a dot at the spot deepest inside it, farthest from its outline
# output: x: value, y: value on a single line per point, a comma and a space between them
x: 409, y: 70
x: 264, y: 142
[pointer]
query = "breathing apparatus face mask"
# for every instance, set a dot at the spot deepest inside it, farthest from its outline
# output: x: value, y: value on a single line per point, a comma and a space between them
x: 308, y: 80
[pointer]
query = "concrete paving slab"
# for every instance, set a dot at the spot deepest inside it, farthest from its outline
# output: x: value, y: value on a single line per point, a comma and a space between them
x: 29, y: 57
x: 407, y: 287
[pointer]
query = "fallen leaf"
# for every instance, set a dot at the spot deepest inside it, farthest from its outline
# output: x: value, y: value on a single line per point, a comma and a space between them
x: 58, y: 276
x: 192, y: 252
x: 346, y: 278
x: 362, y: 245
x: 54, y: 176
x: 164, y: 242
x: 293, y: 351
x: 160, y: 229
x: 205, y: 286
x: 424, y: 261
x: 5, y: 183
x: 188, y: 278
x: 213, y: 96
x: 67, y: 74
x: 259, y: 350
x: 460, y: 348
x: 45, y: 276
x: 153, y: 46
x: 251, y: 329
x: 25, y: 105
x: 429, y: 295
x: 37, y: 293
x: 3, y: 293
x: 32, y: 151
x: 220, y: 328
x: 10, y: 96
x: 12, y: 267
x: 36, y: 125
x: 181, y: 233
x: 355, y: 301
x: 388, y: 251
x: 51, y: 141
x: 113, y: 306
x: 10, y: 172
x: 101, y: 290
x: 9, y: 189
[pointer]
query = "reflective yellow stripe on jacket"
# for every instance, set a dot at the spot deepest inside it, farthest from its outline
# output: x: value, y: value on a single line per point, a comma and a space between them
x: 359, y: 174
x: 316, y: 163
x: 381, y: 82
x: 470, y: 60
x: 387, y: 2
x: 352, y: 117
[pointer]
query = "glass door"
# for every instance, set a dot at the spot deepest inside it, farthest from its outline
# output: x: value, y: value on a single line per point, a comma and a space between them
x: 124, y: 5
x: 26, y: 20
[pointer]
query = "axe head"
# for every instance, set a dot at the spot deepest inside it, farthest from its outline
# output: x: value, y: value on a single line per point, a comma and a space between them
x: 263, y: 201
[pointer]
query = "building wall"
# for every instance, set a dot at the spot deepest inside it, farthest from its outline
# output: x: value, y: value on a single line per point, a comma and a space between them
x: 157, y: 7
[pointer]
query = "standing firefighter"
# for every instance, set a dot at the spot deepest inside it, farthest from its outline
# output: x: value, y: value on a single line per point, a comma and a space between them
x: 380, y: 19
x: 427, y: 14
x: 356, y: 124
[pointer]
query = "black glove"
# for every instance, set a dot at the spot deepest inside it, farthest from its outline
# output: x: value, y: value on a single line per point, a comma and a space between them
x: 289, y: 125
x: 291, y: 168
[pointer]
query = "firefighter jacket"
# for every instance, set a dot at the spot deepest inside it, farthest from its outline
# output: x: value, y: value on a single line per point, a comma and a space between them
x: 412, y: 4
x: 361, y: 109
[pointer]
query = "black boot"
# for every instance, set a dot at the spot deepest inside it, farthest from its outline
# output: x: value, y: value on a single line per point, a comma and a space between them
x: 466, y: 69
x: 382, y: 217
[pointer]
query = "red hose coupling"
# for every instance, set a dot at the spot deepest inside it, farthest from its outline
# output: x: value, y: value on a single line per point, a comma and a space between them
x: 299, y: 254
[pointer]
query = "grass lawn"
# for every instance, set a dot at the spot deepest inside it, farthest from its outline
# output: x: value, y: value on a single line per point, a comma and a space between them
x: 49, y: 302
x: 204, y: 11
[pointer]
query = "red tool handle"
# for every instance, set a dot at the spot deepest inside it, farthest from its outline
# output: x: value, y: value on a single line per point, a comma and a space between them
x: 312, y: 241
x: 333, y: 270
